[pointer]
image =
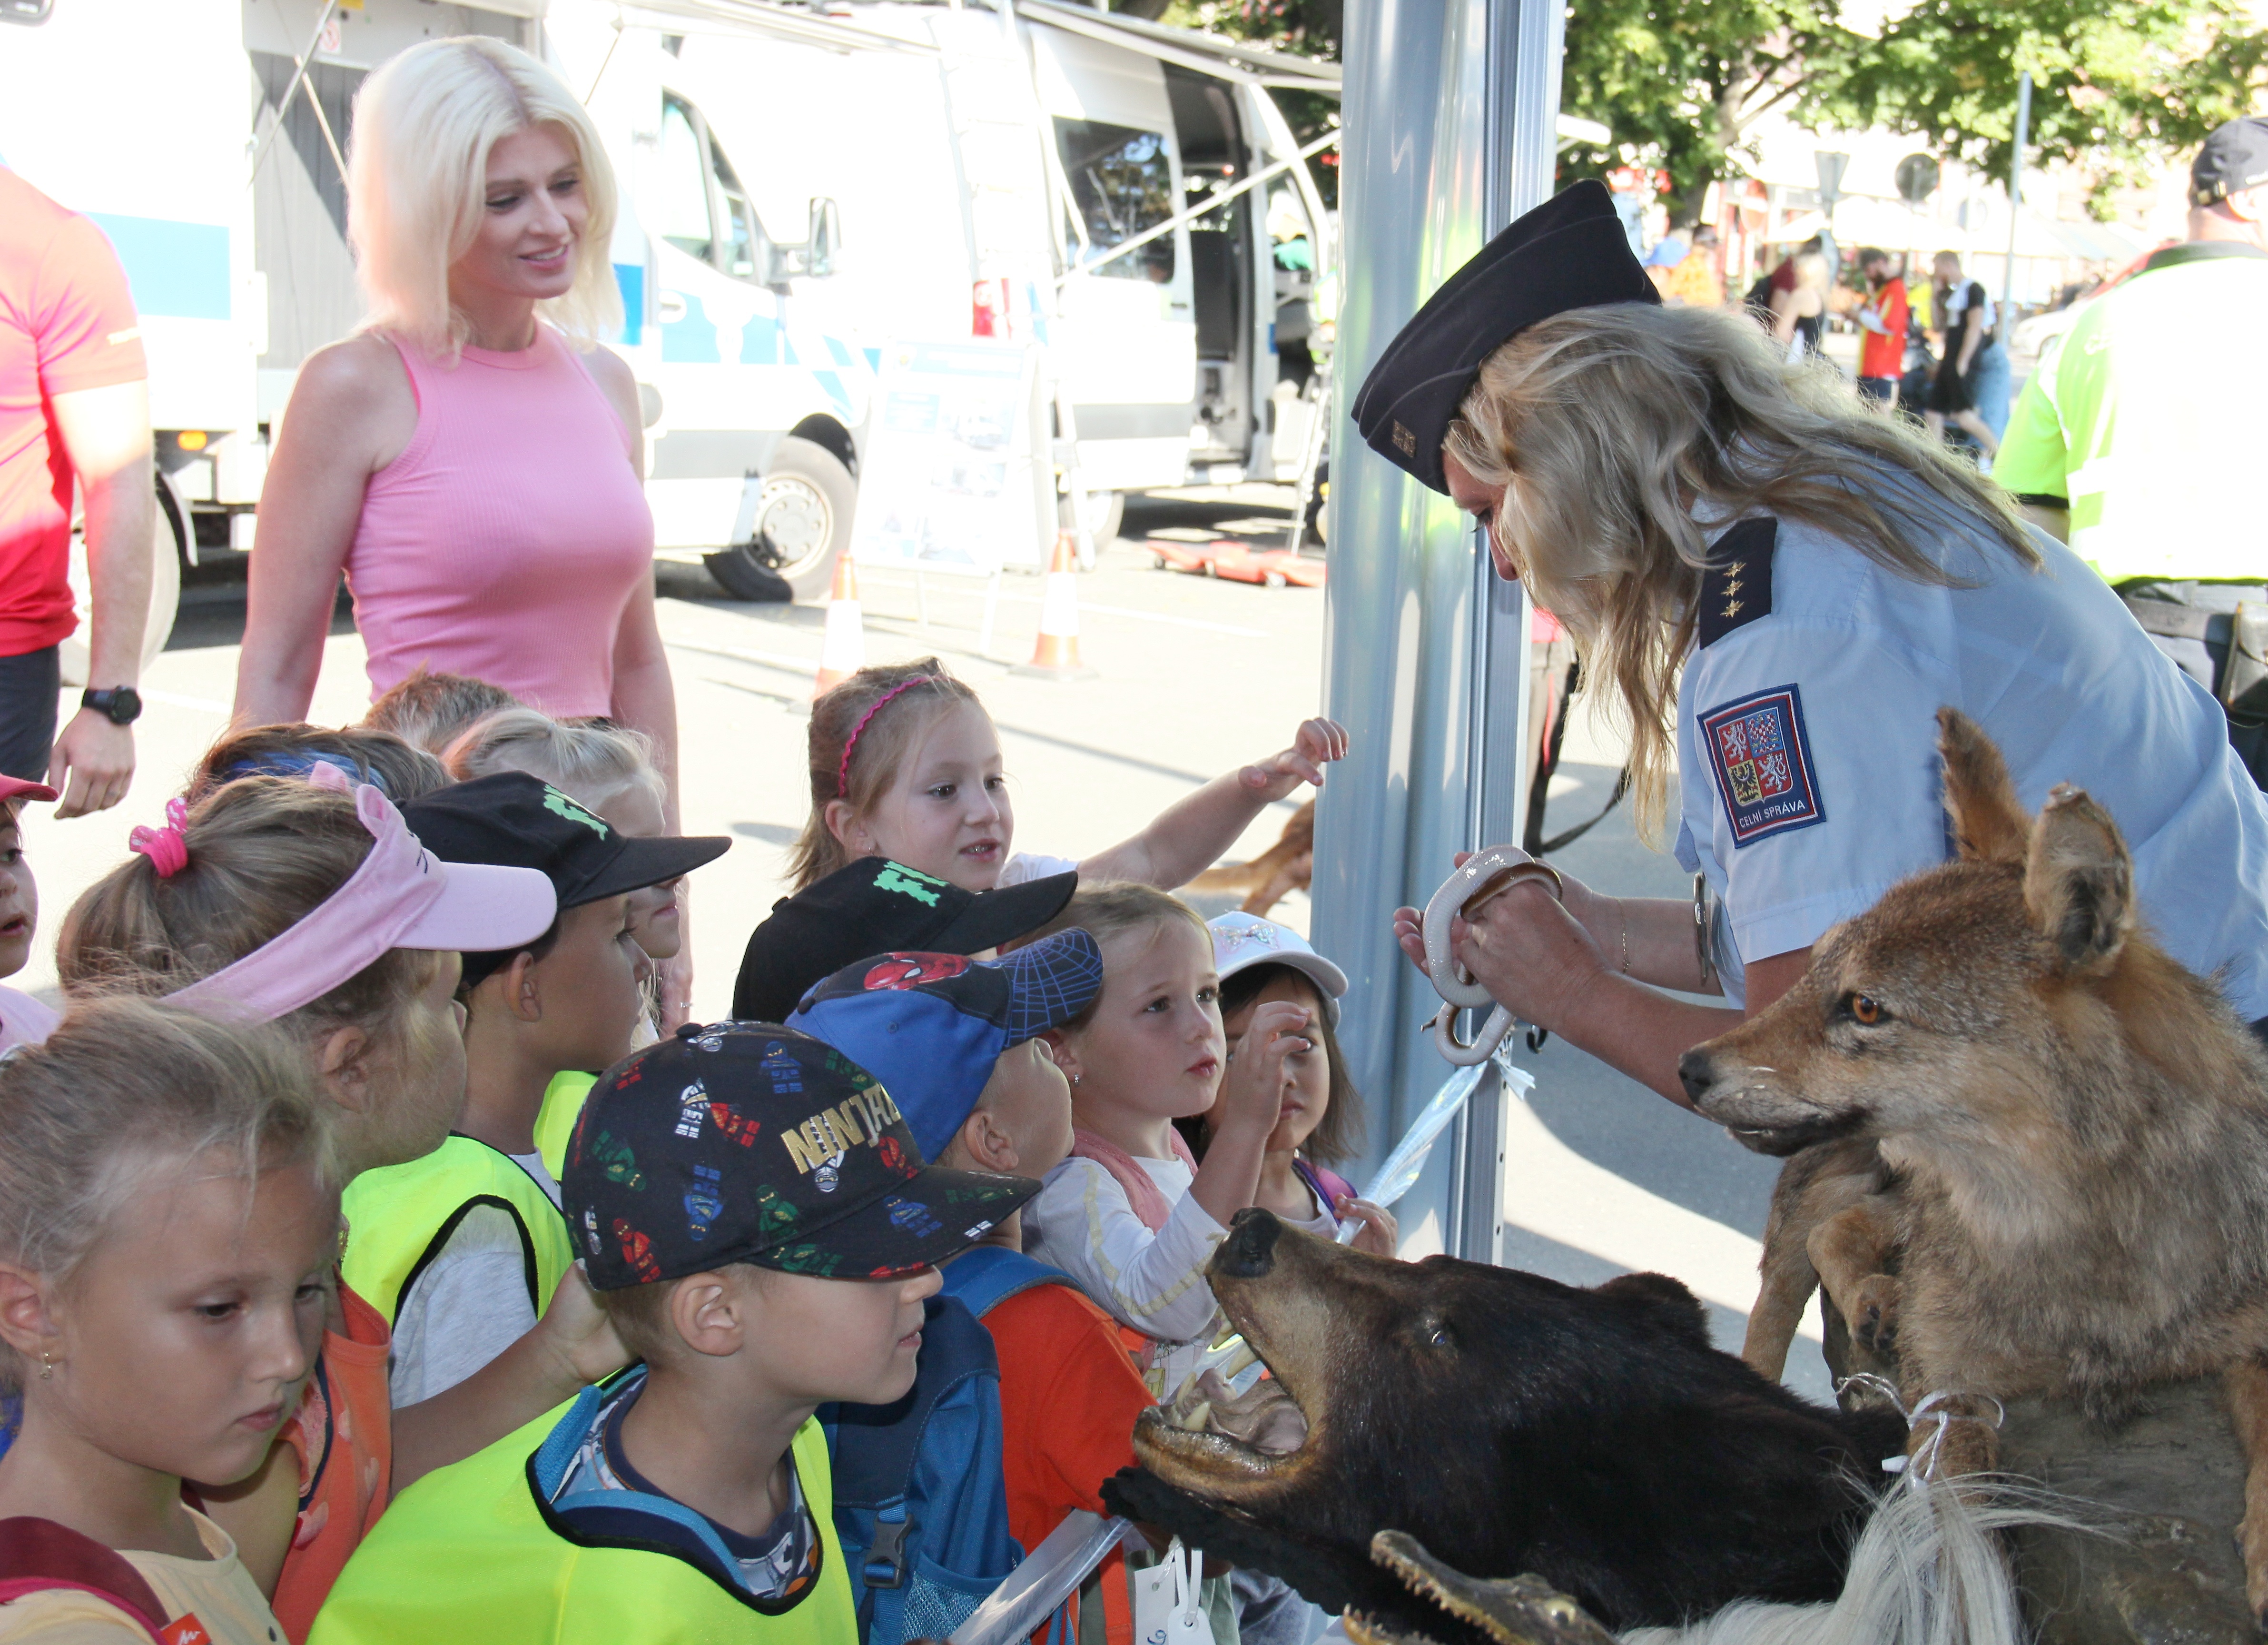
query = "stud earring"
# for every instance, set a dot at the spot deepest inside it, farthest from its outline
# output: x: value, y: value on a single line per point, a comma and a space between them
x: 47, y: 1367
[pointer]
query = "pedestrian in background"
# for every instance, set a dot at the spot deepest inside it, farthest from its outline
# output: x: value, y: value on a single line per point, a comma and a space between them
x: 74, y: 407
x: 1972, y: 371
x: 1696, y: 280
x: 1799, y: 315
x: 1883, y: 349
x: 2133, y: 439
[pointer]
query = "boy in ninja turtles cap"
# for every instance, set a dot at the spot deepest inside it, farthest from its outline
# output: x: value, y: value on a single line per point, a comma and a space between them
x: 756, y: 1218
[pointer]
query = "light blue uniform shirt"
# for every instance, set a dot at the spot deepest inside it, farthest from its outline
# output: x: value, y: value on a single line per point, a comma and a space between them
x: 1807, y: 746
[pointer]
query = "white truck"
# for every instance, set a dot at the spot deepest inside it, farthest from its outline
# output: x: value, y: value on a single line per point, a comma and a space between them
x: 802, y: 187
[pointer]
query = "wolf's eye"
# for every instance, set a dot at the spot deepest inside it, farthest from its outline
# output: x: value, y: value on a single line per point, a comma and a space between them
x: 1865, y: 1009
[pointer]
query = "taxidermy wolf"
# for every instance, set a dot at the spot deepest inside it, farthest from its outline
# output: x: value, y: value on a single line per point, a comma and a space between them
x: 1997, y: 1083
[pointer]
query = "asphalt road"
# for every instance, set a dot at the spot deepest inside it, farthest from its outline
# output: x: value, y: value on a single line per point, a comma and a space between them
x: 1194, y: 677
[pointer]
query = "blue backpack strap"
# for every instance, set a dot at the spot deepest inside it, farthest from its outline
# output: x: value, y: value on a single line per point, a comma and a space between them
x: 988, y: 1276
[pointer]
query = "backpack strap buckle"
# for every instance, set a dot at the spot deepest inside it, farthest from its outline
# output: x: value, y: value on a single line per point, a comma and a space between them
x: 885, y: 1564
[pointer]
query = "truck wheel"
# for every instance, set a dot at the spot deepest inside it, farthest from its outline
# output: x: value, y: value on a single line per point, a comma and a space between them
x: 804, y: 509
x: 168, y: 550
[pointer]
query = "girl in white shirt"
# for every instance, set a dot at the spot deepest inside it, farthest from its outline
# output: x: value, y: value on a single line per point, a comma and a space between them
x: 1130, y: 1215
x: 905, y: 764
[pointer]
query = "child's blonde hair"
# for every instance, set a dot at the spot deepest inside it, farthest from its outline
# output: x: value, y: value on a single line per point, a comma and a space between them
x: 120, y: 1088
x: 860, y: 733
x: 590, y: 761
x: 1110, y: 908
x: 264, y: 852
x: 416, y: 183
x: 431, y: 710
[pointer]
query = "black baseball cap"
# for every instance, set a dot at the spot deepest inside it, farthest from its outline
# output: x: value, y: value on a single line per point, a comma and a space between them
x: 2234, y: 158
x: 877, y: 906
x: 750, y: 1142
x: 1571, y: 251
x: 932, y: 1025
x: 522, y: 821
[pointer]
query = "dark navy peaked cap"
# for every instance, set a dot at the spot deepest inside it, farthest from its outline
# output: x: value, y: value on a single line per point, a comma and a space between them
x: 1571, y: 251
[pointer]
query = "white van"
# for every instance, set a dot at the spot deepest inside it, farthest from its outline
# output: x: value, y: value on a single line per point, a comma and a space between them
x: 801, y: 187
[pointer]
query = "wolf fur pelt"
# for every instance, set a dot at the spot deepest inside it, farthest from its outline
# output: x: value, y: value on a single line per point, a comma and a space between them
x: 2058, y: 1133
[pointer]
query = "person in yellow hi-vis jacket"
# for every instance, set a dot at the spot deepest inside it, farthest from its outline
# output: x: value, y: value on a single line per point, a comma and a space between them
x: 752, y: 1211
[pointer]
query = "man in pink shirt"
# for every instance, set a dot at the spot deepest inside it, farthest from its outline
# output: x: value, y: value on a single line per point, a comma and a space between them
x: 74, y: 406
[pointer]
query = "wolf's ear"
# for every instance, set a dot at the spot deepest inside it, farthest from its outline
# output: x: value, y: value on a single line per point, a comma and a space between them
x: 2079, y: 883
x: 1988, y: 825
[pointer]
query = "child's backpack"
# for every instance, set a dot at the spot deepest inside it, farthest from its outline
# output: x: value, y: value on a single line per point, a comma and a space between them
x: 921, y: 1507
x: 38, y: 1555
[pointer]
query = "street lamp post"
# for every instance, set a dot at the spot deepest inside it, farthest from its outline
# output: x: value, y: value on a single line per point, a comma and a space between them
x: 2016, y: 188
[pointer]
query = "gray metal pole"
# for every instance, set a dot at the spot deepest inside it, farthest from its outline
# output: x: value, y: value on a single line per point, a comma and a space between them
x: 2016, y: 189
x: 1525, y: 41
x: 1424, y: 648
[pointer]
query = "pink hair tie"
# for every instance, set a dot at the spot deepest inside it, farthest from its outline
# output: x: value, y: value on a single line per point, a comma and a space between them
x: 843, y: 777
x: 167, y: 848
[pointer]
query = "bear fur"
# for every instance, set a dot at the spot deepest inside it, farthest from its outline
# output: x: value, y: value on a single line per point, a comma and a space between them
x: 1512, y: 1425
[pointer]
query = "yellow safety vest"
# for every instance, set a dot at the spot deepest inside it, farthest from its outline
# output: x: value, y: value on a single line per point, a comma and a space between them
x: 473, y: 1553
x: 555, y: 1123
x: 399, y: 1216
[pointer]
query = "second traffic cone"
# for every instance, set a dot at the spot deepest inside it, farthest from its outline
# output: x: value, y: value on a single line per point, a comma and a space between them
x: 842, y: 652
x: 1056, y: 656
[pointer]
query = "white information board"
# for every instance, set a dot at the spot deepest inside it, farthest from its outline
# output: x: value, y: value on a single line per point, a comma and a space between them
x: 945, y: 482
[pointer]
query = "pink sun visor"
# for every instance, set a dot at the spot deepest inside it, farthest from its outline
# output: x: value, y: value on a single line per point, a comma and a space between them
x: 402, y: 897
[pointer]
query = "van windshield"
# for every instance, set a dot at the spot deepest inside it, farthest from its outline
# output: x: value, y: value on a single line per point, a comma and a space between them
x: 1122, y: 182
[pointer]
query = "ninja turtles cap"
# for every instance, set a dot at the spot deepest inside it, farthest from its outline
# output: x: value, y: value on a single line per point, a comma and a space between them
x: 750, y: 1142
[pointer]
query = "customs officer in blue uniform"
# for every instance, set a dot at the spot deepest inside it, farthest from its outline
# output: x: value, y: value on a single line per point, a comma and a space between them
x: 1781, y: 587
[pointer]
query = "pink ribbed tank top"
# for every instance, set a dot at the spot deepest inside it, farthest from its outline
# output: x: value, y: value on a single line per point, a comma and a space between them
x: 507, y: 538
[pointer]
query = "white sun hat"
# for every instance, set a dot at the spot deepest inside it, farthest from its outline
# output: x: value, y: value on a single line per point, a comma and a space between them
x: 1241, y: 941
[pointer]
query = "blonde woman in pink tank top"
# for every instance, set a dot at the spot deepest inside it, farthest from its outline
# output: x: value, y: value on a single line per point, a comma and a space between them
x: 471, y: 459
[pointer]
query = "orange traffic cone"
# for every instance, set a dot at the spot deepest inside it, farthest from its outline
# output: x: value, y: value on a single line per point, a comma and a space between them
x: 843, y: 653
x: 1056, y: 656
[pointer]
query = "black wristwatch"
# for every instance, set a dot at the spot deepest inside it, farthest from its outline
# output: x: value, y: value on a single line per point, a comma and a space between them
x: 121, y: 706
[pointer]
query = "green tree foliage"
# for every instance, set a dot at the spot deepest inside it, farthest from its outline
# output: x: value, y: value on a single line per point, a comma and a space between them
x: 2115, y: 84
x: 1682, y: 83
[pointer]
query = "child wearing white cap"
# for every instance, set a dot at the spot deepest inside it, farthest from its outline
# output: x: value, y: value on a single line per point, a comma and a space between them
x: 1260, y: 961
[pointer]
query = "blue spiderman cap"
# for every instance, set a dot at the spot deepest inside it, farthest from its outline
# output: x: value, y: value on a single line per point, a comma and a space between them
x: 931, y: 1026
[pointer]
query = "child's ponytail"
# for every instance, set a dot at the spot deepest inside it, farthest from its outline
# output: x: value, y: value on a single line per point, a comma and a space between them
x: 262, y: 853
x: 859, y: 734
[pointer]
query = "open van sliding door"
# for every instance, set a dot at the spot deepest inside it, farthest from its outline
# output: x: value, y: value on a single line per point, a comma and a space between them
x: 1214, y: 156
x: 1127, y: 342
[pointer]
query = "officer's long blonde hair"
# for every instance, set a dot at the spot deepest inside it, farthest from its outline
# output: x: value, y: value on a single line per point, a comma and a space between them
x: 1614, y: 428
x: 417, y: 176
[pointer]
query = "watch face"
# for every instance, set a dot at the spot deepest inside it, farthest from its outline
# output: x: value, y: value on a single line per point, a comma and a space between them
x: 121, y: 706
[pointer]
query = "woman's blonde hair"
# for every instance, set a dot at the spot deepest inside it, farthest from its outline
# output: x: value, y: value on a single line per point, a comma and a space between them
x: 860, y: 732
x: 122, y: 1088
x: 1624, y: 435
x: 417, y: 177
x: 589, y: 762
x: 264, y: 852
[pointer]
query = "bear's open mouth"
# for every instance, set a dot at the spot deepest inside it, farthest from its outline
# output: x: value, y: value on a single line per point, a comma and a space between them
x: 1510, y: 1611
x: 1208, y: 1432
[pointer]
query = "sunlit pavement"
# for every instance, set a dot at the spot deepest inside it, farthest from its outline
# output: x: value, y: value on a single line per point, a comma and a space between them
x: 1194, y: 677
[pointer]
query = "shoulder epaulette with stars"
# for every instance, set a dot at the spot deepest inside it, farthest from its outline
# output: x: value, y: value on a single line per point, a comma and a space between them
x: 1736, y: 586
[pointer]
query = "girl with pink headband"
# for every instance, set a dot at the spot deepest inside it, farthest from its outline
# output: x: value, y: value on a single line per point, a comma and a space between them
x: 311, y: 905
x: 905, y: 764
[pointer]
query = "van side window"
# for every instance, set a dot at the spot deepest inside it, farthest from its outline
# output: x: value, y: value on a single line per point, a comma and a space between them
x: 740, y: 225
x: 684, y: 204
x: 1122, y: 182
